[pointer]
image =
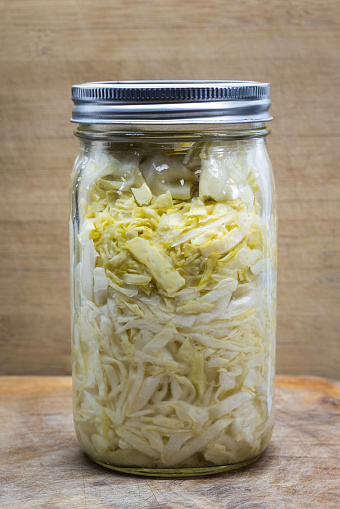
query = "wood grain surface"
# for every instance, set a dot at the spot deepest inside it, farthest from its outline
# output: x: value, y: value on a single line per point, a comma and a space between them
x: 46, y: 47
x: 42, y: 466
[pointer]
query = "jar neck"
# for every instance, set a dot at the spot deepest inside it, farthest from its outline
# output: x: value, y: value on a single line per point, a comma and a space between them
x: 169, y: 133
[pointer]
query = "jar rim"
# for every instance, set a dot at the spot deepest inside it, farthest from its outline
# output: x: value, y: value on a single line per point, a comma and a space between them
x: 171, y: 103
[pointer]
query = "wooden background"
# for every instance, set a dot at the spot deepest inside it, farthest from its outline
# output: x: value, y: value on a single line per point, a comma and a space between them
x: 48, y: 46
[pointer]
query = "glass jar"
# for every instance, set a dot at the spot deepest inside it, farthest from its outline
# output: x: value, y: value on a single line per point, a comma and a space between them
x: 173, y: 271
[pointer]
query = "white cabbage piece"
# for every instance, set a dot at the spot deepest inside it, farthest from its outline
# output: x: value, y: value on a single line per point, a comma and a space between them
x: 100, y: 286
x: 163, y: 173
x: 88, y: 266
x: 172, y: 360
x: 227, y: 242
x: 124, y: 166
x: 143, y: 195
x: 166, y: 276
x: 224, y: 172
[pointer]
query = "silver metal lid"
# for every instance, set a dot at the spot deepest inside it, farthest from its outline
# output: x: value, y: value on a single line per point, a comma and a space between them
x: 171, y: 102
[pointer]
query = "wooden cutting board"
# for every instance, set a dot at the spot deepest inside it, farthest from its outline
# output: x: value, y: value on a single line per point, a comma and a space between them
x: 42, y: 466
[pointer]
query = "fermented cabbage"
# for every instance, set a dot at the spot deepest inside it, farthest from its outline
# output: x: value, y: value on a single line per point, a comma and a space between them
x: 172, y: 362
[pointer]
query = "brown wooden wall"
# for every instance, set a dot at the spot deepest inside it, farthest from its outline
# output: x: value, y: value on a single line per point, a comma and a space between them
x: 46, y: 46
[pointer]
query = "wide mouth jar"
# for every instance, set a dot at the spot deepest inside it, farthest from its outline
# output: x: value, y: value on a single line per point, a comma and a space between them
x: 173, y: 275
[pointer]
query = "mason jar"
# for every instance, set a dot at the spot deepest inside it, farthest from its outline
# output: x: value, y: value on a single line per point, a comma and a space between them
x: 173, y: 275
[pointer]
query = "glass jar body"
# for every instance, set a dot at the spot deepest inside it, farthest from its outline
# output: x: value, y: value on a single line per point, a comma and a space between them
x: 173, y: 299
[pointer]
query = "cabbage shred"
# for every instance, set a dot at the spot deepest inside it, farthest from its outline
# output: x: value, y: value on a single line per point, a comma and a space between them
x: 174, y: 320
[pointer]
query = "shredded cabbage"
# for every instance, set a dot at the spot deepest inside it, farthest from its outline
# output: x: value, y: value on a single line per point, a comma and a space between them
x: 174, y: 325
